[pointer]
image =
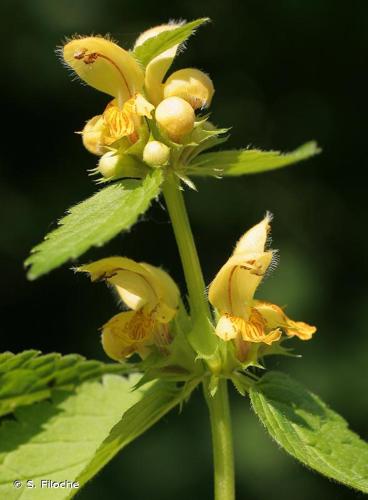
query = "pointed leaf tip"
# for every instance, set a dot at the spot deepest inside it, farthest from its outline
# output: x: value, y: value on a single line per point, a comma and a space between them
x: 310, y: 431
x: 249, y: 161
x: 94, y: 222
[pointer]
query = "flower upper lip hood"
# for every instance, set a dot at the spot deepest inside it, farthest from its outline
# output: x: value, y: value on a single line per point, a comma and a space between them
x: 233, y: 288
x: 138, y: 284
x: 107, y: 67
x: 242, y: 318
x: 104, y: 65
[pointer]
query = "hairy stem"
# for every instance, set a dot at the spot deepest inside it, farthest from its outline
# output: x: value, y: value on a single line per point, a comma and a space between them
x: 187, y: 249
x: 222, y: 443
x: 218, y: 404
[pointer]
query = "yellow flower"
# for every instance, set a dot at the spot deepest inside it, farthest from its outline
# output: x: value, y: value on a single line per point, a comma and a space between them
x: 136, y: 91
x: 149, y: 293
x: 242, y: 318
x: 104, y: 65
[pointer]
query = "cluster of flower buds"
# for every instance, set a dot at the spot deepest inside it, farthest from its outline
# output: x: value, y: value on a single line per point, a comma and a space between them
x: 148, y: 116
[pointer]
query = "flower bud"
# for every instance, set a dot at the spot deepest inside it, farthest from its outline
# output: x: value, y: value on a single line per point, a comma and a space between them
x: 192, y: 85
x: 176, y: 117
x: 93, y: 134
x: 156, y: 154
x: 107, y: 164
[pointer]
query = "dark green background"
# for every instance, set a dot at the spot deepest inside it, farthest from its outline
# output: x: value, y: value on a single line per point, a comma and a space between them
x: 285, y: 71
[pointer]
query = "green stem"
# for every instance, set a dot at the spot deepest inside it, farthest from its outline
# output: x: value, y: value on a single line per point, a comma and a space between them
x: 187, y: 249
x: 222, y: 443
x: 219, y: 403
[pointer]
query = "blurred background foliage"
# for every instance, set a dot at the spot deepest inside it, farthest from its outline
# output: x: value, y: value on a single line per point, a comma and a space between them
x: 285, y: 71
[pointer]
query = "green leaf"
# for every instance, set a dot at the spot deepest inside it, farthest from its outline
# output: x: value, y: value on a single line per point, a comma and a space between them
x: 248, y: 161
x: 157, y: 400
x: 94, y: 222
x: 154, y: 46
x: 28, y: 377
x: 307, y: 429
x: 56, y: 440
x: 201, y: 140
x: 208, y: 143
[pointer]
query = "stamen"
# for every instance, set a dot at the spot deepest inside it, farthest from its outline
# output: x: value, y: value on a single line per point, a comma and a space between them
x: 251, y: 266
x: 79, y: 54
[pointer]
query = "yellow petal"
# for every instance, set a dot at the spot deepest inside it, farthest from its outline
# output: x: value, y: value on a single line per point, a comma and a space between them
x: 249, y: 330
x: 300, y: 329
x: 126, y: 333
x: 105, y: 66
x: 138, y: 284
x: 157, y: 68
x: 254, y: 330
x: 167, y: 291
x: 143, y: 107
x: 234, y: 286
x: 272, y: 336
x: 254, y: 240
x: 118, y: 122
x: 227, y: 327
x: 104, y: 269
x: 272, y: 314
x: 93, y: 135
x: 122, y: 121
x: 276, y: 318
x: 131, y: 280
